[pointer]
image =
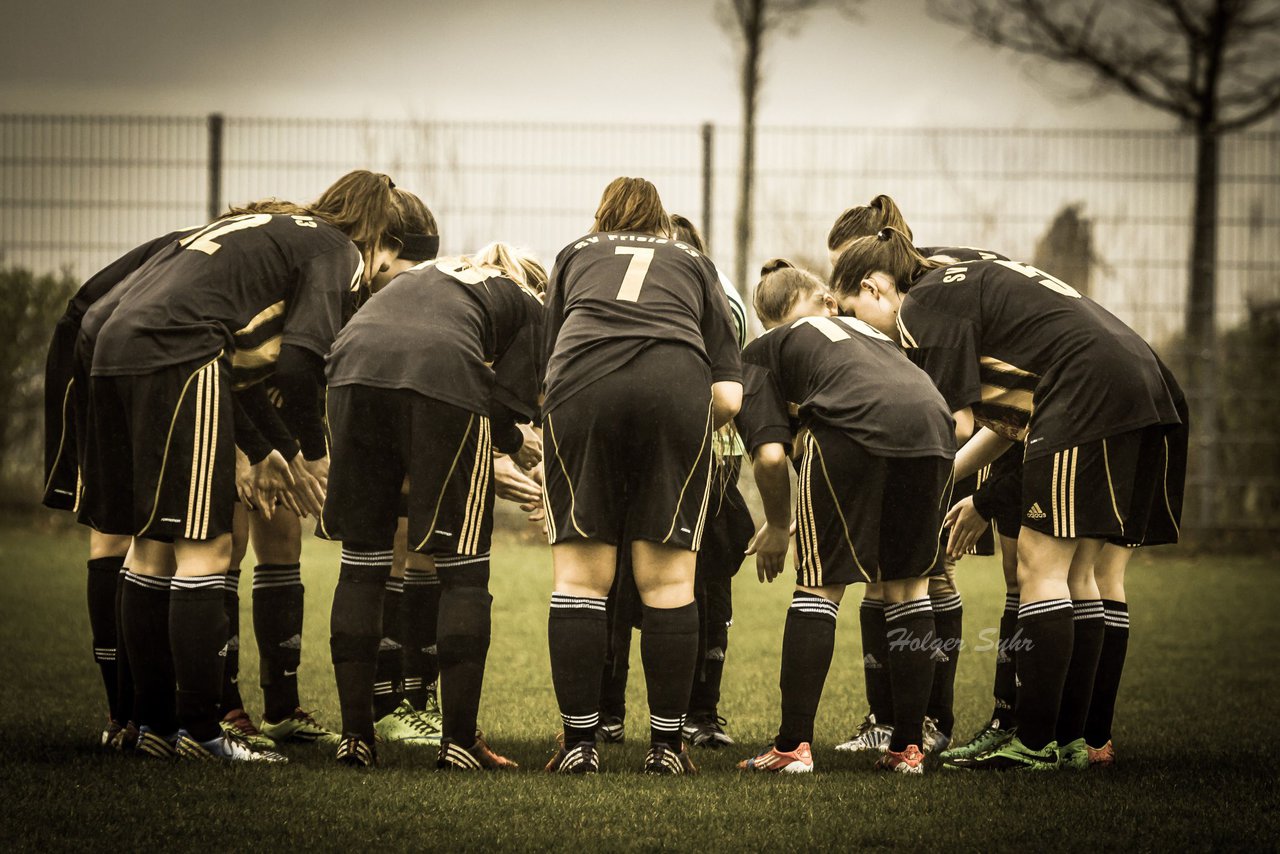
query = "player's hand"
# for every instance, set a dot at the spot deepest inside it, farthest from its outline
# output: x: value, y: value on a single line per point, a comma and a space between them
x: 966, y: 525
x: 769, y: 545
x: 308, y: 489
x: 244, y: 480
x: 530, y: 453
x: 512, y: 484
x: 272, y: 482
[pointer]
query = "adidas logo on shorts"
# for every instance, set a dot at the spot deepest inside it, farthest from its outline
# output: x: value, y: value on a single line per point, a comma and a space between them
x: 1035, y: 512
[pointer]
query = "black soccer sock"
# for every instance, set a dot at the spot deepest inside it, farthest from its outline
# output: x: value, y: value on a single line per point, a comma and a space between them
x: 577, y: 634
x: 198, y: 638
x: 421, y: 615
x: 875, y: 660
x: 124, y: 675
x: 355, y: 627
x: 1077, y: 690
x: 705, y: 697
x: 948, y: 620
x: 808, y: 642
x: 909, y: 634
x: 144, y: 607
x: 231, y: 698
x: 104, y: 574
x: 277, y: 623
x: 1043, y: 656
x: 1005, y: 688
x: 669, y: 653
x: 613, y: 679
x: 388, y: 676
x: 1106, y: 684
x: 463, y: 642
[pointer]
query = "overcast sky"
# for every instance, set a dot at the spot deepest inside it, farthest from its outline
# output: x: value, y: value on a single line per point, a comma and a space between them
x: 654, y: 61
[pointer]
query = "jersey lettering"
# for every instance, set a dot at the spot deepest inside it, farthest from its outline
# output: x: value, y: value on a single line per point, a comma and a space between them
x: 1051, y: 282
x: 637, y: 269
x: 206, y: 240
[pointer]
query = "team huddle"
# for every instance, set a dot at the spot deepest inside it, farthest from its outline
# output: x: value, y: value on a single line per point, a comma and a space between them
x: 219, y: 386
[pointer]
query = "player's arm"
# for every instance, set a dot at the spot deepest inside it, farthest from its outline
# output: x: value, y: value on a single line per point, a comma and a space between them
x: 944, y: 345
x: 982, y: 450
x: 766, y: 431
x: 720, y: 337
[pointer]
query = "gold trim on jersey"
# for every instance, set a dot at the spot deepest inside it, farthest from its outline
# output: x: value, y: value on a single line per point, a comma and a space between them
x: 568, y: 480
x: 164, y: 460
x: 835, y: 502
x: 1011, y: 398
x: 908, y: 340
x: 269, y: 313
x: 1004, y: 367
x: 481, y: 475
x: 444, y: 484
x: 675, y: 517
x: 264, y: 355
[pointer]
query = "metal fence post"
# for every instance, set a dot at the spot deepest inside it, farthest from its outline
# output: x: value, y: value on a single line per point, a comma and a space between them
x: 708, y: 178
x: 215, y: 165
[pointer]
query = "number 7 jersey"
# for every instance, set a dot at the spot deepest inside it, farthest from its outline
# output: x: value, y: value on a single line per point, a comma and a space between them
x: 612, y: 295
x: 1034, y: 358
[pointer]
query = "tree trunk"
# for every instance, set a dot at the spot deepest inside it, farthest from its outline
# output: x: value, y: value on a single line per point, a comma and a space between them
x: 1201, y: 327
x: 752, y: 31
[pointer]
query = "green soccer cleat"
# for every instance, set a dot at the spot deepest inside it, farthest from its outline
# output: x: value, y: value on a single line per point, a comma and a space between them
x: 1013, y: 755
x: 1074, y: 755
x: 430, y: 711
x: 406, y: 725
x: 987, y: 739
x: 237, y: 724
x: 299, y: 726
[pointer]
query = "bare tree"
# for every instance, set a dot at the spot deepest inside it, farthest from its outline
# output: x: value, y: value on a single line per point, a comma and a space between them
x: 1214, y: 64
x: 751, y: 23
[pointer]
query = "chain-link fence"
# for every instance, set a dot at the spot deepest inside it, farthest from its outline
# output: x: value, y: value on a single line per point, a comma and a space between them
x: 78, y: 191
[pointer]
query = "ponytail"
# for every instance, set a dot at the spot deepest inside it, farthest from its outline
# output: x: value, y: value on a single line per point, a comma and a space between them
x: 781, y: 286
x: 866, y: 221
x: 890, y: 252
x: 362, y: 205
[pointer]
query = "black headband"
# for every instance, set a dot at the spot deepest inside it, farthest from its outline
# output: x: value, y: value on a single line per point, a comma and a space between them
x: 420, y: 247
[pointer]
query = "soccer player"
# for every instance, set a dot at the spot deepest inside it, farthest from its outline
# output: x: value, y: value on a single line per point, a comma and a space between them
x: 643, y: 365
x: 874, y: 479
x: 247, y: 297
x: 429, y: 377
x: 1001, y: 339
x: 63, y: 398
x: 948, y: 609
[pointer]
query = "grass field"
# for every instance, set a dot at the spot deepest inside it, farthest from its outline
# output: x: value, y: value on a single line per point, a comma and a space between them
x: 1196, y: 734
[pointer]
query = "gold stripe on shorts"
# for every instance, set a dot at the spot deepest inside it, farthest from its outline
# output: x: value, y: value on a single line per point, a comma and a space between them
x: 453, y: 465
x: 706, y: 437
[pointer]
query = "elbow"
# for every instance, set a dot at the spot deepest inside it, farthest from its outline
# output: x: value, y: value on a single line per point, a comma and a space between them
x: 964, y: 425
x: 726, y: 400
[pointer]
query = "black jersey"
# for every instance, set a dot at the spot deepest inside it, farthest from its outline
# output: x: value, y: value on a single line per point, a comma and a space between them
x: 843, y: 373
x: 243, y: 285
x: 1035, y: 359
x: 613, y: 295
x: 103, y: 281
x: 450, y: 333
x: 961, y: 253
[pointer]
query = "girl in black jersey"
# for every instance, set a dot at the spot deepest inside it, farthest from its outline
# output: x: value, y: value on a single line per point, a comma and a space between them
x: 430, y: 376
x: 1029, y: 358
x: 643, y: 365
x: 948, y: 609
x: 874, y: 479
x: 250, y: 296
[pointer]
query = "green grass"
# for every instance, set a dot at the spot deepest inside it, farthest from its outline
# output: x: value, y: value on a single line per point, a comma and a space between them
x: 1196, y: 734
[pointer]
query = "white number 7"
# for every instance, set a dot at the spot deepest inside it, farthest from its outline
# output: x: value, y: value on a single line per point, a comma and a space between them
x: 637, y: 269
x: 205, y: 241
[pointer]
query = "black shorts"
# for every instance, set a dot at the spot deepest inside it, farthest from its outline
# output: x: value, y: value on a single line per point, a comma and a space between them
x: 61, y: 459
x: 377, y: 436
x: 1007, y: 509
x: 986, y: 543
x: 729, y: 527
x: 160, y: 457
x: 860, y: 517
x: 1126, y: 489
x: 631, y: 453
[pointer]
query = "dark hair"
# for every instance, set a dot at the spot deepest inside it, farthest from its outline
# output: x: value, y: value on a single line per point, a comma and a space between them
x: 889, y: 251
x: 421, y: 233
x: 269, y: 206
x: 866, y: 221
x: 781, y: 285
x: 632, y: 204
x: 684, y: 230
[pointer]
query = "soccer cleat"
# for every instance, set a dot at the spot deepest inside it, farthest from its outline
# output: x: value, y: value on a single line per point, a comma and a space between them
x: 224, y: 748
x: 988, y: 738
x: 355, y: 752
x: 299, y: 726
x: 126, y: 740
x: 582, y: 758
x: 479, y: 757
x: 662, y: 760
x: 110, y: 733
x: 798, y: 761
x: 1011, y: 755
x: 869, y: 736
x: 1102, y: 757
x: 935, y: 740
x: 611, y: 730
x: 909, y: 761
x: 237, y: 723
x: 706, y: 730
x: 153, y: 744
x: 1074, y: 755
x: 430, y: 711
x: 406, y: 725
